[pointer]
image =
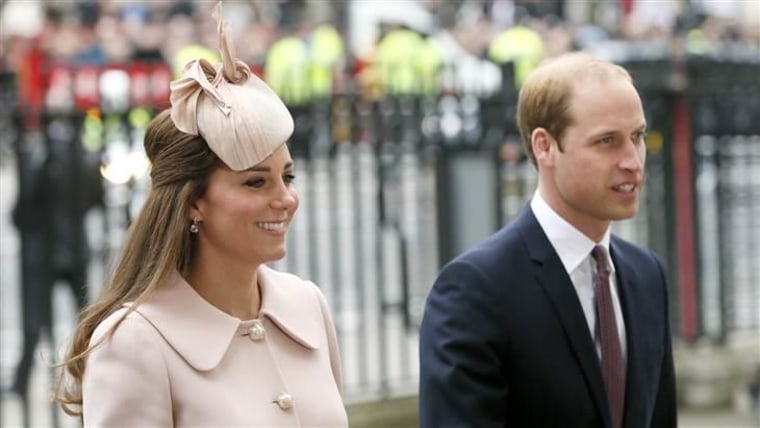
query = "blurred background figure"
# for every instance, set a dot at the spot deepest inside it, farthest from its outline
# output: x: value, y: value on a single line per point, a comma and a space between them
x: 186, y: 43
x: 55, y: 194
x: 304, y: 62
x: 521, y: 45
x: 58, y: 183
x: 464, y: 32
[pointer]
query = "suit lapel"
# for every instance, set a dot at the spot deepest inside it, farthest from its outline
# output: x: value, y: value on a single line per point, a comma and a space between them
x: 551, y: 275
x: 626, y: 278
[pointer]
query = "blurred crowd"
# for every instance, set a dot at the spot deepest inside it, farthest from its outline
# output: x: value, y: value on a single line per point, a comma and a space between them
x: 353, y: 37
x: 106, y: 32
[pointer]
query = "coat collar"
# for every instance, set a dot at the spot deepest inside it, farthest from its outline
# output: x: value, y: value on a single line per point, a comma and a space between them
x: 201, y: 333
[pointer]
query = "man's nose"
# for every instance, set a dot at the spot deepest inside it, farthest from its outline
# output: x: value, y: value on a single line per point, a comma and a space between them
x: 634, y: 156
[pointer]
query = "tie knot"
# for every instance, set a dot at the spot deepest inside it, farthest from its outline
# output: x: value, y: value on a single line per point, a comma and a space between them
x: 600, y: 257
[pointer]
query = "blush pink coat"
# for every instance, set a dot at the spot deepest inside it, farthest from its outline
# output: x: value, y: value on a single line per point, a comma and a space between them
x: 179, y: 361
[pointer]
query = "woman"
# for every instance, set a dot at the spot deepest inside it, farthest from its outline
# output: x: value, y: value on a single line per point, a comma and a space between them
x: 193, y: 329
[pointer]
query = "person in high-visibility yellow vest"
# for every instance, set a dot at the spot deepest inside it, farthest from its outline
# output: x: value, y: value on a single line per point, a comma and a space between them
x: 300, y: 67
x: 189, y: 53
x: 286, y: 69
x: 521, y: 45
x: 406, y: 63
x: 327, y: 58
x: 394, y: 61
x: 429, y: 62
x: 697, y: 42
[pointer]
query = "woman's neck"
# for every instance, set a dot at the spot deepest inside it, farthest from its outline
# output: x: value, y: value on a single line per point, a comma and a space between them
x: 234, y: 291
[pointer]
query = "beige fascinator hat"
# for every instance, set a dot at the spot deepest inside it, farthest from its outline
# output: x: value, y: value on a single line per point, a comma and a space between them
x: 240, y: 117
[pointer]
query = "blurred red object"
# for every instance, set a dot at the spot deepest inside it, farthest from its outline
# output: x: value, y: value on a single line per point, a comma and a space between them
x: 160, y: 78
x: 86, y: 89
x: 139, y: 84
x: 32, y: 84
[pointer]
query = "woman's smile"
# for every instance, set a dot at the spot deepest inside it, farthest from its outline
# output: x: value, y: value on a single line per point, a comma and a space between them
x: 273, y: 227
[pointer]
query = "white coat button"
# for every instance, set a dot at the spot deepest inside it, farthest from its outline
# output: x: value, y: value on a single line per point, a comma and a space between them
x: 285, y: 401
x: 256, y: 332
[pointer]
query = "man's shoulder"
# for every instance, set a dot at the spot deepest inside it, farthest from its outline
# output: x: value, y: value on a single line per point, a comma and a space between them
x: 628, y: 247
x: 633, y: 253
x: 501, y: 247
x: 514, y: 233
x: 504, y: 238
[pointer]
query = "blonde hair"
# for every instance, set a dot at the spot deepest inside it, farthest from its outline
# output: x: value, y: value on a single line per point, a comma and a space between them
x: 546, y: 95
x: 157, y: 243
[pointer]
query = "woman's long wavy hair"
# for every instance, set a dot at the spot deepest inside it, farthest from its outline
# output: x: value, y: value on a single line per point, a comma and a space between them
x: 158, y: 242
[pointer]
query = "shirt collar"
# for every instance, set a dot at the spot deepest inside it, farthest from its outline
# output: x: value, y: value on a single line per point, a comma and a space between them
x: 201, y: 333
x: 571, y: 245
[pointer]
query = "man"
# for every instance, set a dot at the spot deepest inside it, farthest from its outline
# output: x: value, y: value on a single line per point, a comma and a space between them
x: 527, y: 329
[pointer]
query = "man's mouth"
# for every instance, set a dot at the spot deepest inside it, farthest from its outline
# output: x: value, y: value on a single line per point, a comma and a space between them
x: 625, y: 188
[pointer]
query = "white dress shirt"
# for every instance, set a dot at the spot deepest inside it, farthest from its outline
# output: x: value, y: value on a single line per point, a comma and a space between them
x: 574, y: 250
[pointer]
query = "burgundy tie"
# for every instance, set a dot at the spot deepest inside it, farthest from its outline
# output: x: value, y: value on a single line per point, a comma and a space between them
x: 613, y: 366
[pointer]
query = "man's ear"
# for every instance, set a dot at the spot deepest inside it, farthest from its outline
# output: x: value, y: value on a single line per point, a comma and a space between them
x: 541, y: 143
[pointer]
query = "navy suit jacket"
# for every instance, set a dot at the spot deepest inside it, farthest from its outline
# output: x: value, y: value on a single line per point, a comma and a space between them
x: 504, y: 341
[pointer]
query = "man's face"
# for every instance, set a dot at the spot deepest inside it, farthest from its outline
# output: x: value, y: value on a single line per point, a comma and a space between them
x: 598, y: 175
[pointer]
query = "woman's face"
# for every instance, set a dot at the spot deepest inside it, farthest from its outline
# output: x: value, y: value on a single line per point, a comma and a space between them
x: 244, y: 215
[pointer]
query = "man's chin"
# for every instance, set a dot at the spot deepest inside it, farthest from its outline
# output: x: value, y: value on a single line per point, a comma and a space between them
x: 625, y: 214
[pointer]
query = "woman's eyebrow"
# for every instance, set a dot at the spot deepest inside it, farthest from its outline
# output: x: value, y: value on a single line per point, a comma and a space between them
x: 264, y: 168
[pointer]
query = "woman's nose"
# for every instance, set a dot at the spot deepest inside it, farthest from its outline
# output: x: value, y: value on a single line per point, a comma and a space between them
x: 286, y: 197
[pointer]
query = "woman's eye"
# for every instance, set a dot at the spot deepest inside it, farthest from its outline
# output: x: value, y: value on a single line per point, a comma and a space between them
x: 256, y: 182
x: 641, y: 136
x: 289, y: 178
